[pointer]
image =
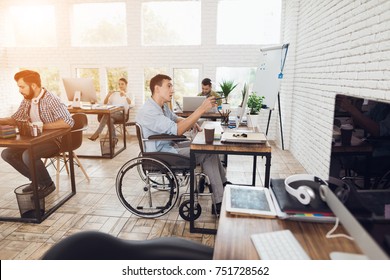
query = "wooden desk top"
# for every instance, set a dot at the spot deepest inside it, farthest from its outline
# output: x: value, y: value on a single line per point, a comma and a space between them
x: 99, y: 110
x: 205, y: 115
x: 199, y: 144
x: 27, y: 141
x: 233, y: 237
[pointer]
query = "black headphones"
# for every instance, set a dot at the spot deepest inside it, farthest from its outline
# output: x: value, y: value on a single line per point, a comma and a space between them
x: 306, y: 194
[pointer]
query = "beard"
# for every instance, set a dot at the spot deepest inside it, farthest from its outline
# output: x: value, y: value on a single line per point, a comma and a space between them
x: 30, y: 94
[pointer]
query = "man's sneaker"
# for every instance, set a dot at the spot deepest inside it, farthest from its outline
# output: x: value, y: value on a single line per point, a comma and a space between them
x: 43, y: 191
x: 29, y: 188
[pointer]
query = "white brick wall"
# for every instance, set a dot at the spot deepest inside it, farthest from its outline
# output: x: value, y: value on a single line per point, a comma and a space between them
x: 337, y: 47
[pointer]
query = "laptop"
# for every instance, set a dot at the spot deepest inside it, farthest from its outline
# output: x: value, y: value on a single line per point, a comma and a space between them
x: 191, y: 103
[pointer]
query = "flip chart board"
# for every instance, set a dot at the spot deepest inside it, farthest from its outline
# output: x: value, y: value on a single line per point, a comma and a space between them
x: 268, y: 78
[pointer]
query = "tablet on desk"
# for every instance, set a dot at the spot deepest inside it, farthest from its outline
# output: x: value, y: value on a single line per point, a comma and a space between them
x: 245, y: 200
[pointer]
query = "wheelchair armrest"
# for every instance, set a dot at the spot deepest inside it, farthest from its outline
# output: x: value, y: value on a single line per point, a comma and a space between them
x: 168, y: 137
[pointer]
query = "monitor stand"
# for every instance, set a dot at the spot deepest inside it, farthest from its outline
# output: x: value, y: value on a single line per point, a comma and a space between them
x: 346, y: 256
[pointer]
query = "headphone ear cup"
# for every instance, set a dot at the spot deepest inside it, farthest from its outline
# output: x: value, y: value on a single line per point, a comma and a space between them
x: 305, y: 194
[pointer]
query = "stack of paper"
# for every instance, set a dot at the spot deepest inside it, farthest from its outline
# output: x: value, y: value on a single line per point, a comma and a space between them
x: 7, y: 131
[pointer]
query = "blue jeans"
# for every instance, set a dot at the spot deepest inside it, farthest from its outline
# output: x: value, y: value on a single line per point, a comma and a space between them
x: 20, y: 160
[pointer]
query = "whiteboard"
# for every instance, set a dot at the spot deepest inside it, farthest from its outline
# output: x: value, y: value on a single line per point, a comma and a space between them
x: 267, y: 83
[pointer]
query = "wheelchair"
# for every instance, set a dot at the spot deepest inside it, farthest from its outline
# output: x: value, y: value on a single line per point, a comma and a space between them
x: 149, y: 185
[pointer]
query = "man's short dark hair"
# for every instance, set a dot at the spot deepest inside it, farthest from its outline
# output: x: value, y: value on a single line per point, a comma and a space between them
x: 206, y: 82
x: 123, y: 80
x: 29, y: 77
x: 158, y: 80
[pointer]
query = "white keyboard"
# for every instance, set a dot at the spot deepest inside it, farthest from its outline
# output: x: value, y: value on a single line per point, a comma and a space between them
x: 278, y: 245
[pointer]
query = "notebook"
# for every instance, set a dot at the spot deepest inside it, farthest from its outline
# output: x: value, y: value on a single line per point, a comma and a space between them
x: 191, y: 103
x: 244, y: 137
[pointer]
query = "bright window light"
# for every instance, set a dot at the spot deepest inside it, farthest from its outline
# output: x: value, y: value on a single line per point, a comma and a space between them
x: 171, y: 23
x: 99, y: 24
x: 31, y: 26
x: 249, y: 21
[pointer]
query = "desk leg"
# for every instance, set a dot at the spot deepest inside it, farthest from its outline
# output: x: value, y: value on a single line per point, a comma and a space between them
x: 267, y: 170
x: 71, y: 165
x: 110, y: 125
x: 124, y: 128
x: 192, y: 190
x: 34, y: 183
x: 254, y: 171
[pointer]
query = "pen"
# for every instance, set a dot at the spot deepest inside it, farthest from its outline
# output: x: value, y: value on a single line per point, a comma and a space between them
x: 219, y: 98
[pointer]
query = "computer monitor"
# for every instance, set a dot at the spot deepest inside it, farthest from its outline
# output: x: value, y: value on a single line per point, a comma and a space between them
x: 364, y: 167
x: 241, y: 114
x: 83, y: 85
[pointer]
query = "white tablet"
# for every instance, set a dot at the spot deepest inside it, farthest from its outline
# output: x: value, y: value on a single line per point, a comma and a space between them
x: 247, y: 200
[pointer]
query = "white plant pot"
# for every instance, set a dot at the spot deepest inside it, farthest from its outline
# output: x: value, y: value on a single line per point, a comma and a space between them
x: 253, y: 120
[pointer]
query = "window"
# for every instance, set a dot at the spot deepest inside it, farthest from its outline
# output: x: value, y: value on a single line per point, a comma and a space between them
x: 259, y: 22
x: 50, y: 78
x: 186, y: 83
x: 240, y: 76
x: 31, y: 26
x: 171, y: 23
x: 149, y: 73
x: 113, y: 76
x: 99, y: 24
x: 92, y: 73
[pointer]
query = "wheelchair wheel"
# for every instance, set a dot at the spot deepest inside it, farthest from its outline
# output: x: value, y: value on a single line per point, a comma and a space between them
x: 184, y: 211
x: 151, y: 196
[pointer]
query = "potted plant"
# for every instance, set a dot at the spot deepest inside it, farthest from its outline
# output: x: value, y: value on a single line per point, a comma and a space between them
x: 226, y: 88
x: 254, y: 103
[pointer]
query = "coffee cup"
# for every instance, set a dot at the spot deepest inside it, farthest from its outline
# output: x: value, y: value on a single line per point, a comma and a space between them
x: 37, y: 128
x: 346, y: 134
x: 209, y: 130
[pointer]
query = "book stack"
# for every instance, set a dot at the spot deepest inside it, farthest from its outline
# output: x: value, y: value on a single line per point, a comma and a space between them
x: 7, y: 131
x: 288, y: 207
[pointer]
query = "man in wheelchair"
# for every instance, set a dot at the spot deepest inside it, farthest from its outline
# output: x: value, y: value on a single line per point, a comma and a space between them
x: 155, y: 117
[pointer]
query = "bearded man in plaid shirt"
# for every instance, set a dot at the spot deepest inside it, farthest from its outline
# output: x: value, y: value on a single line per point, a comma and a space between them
x: 38, y: 105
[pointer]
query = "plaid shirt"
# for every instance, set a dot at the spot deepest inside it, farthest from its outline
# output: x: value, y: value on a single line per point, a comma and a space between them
x: 50, y: 108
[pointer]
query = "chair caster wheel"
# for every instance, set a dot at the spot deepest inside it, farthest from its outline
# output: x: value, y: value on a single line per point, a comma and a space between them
x: 184, y: 211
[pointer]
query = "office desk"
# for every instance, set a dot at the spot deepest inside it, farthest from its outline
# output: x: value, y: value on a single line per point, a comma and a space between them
x: 204, y: 116
x: 233, y: 240
x: 107, y: 111
x: 28, y: 142
x: 198, y: 146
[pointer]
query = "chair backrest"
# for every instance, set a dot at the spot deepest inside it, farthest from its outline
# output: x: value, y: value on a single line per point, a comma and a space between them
x: 92, y: 245
x: 141, y: 140
x: 80, y: 124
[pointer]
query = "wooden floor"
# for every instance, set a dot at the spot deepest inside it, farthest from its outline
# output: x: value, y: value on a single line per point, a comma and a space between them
x: 96, y: 206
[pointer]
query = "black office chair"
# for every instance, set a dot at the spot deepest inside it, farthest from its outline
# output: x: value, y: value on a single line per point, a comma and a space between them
x: 148, y: 185
x: 93, y: 245
x: 80, y: 125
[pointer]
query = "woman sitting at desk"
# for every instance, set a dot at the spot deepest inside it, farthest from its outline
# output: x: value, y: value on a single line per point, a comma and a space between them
x: 119, y: 98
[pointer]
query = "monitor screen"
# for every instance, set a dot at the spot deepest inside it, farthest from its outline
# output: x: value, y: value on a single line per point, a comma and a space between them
x: 360, y: 159
x: 83, y: 85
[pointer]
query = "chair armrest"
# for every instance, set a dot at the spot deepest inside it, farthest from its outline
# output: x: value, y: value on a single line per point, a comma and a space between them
x: 168, y: 137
